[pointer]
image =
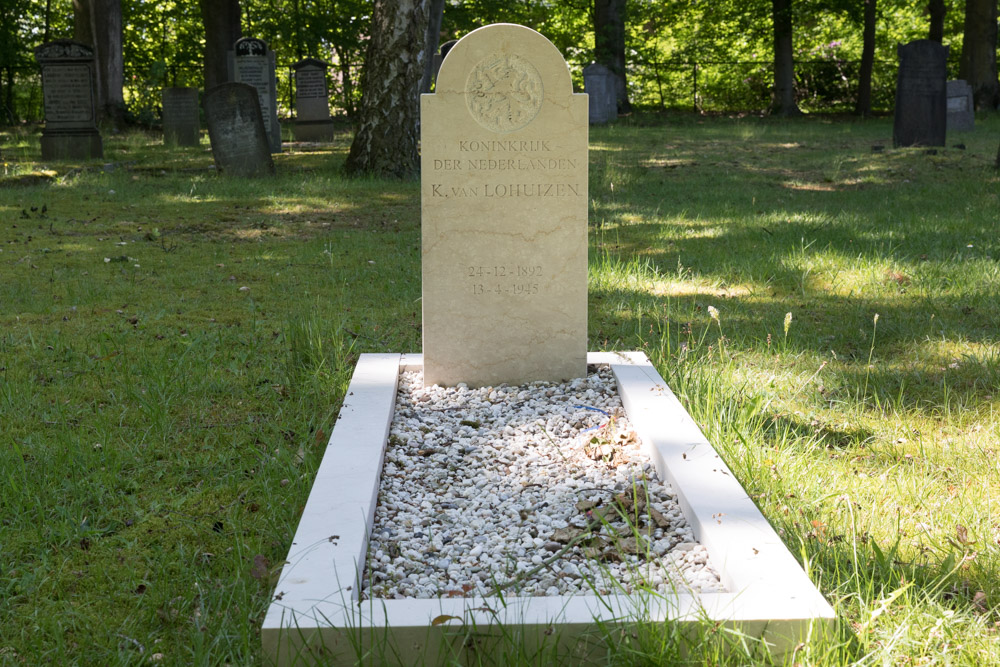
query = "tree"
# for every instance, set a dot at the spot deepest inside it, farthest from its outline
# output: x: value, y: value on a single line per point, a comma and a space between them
x: 385, y: 142
x: 937, y: 10
x: 222, y: 29
x: 978, y: 63
x: 863, y: 106
x: 431, y: 43
x: 609, y: 45
x: 783, y: 93
x: 99, y: 23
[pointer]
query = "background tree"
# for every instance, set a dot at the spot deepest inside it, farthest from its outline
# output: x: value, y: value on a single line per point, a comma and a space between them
x: 609, y: 45
x: 978, y: 64
x: 936, y: 10
x: 783, y: 95
x: 99, y: 23
x: 863, y: 106
x: 222, y: 29
x: 385, y: 142
x: 435, y: 15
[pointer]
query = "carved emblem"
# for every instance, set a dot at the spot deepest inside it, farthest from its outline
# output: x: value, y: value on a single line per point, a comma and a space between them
x: 503, y: 92
x: 63, y: 49
x: 251, y: 46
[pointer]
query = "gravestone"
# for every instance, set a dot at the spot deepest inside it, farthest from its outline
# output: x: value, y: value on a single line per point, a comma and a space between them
x: 312, y: 101
x: 253, y: 63
x: 68, y: 95
x: 600, y: 84
x: 236, y: 130
x: 921, y: 103
x: 961, y: 112
x: 181, y: 126
x: 504, y: 214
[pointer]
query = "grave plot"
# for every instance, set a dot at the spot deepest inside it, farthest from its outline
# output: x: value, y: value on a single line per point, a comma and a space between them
x: 513, y: 524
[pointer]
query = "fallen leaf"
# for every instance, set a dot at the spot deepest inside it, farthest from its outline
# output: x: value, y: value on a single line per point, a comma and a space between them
x: 660, y: 520
x: 260, y: 567
x: 444, y: 618
x: 963, y: 534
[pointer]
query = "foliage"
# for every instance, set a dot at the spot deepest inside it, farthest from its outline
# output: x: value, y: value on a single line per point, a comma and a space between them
x: 710, y: 55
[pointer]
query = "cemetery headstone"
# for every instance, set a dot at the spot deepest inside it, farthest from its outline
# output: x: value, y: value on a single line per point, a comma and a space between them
x: 253, y: 63
x: 504, y: 214
x: 599, y: 82
x: 68, y: 96
x: 181, y: 126
x: 921, y: 104
x: 236, y: 130
x: 312, y: 101
x: 961, y: 112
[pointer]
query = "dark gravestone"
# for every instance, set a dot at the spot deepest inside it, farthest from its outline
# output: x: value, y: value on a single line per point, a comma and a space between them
x: 181, y: 126
x: 236, y: 130
x: 68, y: 92
x: 921, y: 104
x: 961, y: 113
x: 312, y: 101
x: 599, y: 83
x: 441, y: 55
x: 253, y: 63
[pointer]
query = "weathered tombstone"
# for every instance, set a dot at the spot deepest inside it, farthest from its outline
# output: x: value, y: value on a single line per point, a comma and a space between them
x: 68, y: 93
x: 236, y: 130
x: 181, y: 126
x: 504, y: 214
x: 921, y: 104
x: 253, y: 63
x: 312, y: 101
x: 599, y: 82
x: 961, y: 112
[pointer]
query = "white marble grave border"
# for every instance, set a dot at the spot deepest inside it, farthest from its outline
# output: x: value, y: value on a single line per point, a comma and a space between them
x: 315, y: 617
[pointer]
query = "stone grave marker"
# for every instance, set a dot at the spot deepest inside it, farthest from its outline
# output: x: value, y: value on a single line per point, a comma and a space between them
x: 921, y: 103
x: 236, y: 130
x: 961, y: 112
x: 181, y: 126
x: 312, y: 101
x: 599, y: 82
x: 253, y: 63
x: 504, y: 214
x: 69, y: 99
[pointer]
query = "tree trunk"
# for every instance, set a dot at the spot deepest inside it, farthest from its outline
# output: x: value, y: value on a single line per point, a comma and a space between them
x: 385, y: 143
x: 978, y: 64
x: 347, y: 84
x: 783, y: 94
x: 864, y: 103
x: 222, y: 28
x: 99, y: 23
x: 431, y: 44
x: 609, y: 45
x: 937, y: 10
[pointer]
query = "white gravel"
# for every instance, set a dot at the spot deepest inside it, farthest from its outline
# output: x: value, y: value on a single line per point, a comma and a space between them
x: 528, y: 489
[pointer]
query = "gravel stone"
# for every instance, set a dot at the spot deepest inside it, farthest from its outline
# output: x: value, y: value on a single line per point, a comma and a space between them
x: 498, y: 502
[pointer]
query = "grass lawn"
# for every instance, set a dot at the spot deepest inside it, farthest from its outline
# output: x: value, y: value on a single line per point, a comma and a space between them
x: 174, y: 347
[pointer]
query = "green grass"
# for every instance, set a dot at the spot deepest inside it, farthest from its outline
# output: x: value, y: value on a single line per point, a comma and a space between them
x: 160, y: 425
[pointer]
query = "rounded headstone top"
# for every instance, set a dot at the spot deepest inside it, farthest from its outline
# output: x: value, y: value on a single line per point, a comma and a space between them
x: 250, y: 46
x: 528, y: 62
x: 63, y: 49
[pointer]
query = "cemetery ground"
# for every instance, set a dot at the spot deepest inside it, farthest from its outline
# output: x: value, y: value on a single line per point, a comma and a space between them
x: 174, y: 346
